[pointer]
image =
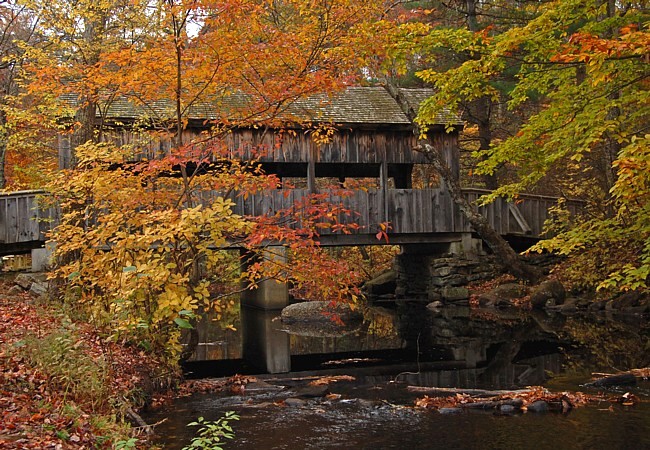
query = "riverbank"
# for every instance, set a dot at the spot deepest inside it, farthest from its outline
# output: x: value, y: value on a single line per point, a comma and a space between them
x: 64, y: 385
x: 480, y: 282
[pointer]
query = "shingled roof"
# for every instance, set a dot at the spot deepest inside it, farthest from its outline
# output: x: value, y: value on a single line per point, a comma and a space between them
x: 355, y: 105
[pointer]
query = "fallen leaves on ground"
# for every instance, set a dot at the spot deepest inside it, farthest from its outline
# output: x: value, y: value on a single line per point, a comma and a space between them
x: 35, y: 411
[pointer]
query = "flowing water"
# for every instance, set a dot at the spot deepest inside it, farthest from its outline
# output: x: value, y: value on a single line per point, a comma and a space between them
x: 408, y: 345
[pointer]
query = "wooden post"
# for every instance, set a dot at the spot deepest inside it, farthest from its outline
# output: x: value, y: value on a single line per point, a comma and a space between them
x: 383, y: 187
x: 269, y: 294
x: 311, y: 169
x: 65, y: 152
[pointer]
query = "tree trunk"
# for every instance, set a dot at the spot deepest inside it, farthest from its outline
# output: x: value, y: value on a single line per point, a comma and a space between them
x: 84, y: 132
x: 3, y: 149
x: 480, y: 112
x: 506, y: 256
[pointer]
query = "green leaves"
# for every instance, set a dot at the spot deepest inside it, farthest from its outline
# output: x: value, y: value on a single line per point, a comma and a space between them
x: 574, y: 74
x: 211, y: 433
x: 182, y: 323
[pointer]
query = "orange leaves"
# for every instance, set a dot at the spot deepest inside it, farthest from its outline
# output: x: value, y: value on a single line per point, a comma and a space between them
x: 594, y: 50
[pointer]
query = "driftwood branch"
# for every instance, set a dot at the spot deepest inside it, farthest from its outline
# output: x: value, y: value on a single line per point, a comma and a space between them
x: 135, y: 417
x: 472, y: 392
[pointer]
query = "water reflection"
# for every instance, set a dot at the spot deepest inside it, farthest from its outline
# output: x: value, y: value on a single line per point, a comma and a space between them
x: 411, y: 345
x: 494, y: 348
x: 264, y: 344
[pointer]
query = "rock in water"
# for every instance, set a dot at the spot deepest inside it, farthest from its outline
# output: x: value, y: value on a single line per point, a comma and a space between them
x: 623, y: 379
x: 548, y: 293
x: 386, y: 283
x: 539, y: 406
x: 320, y: 312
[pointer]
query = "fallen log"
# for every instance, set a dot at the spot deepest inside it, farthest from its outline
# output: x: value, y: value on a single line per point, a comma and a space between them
x: 643, y: 373
x: 621, y: 379
x: 471, y: 392
x: 536, y: 397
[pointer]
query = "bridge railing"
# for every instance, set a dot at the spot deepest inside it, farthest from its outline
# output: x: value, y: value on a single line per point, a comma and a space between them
x: 525, y: 216
x: 416, y: 210
x: 409, y: 211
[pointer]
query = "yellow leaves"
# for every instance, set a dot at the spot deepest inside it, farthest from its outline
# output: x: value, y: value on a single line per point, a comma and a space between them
x: 133, y: 254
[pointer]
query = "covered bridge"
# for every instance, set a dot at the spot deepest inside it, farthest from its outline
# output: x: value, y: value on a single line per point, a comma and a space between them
x: 372, y: 142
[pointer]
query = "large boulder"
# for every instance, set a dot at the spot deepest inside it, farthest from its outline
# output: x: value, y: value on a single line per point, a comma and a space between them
x: 548, y: 293
x: 320, y: 319
x: 510, y: 291
x: 25, y: 280
x: 323, y: 312
x: 39, y: 289
x: 386, y: 283
x: 629, y: 302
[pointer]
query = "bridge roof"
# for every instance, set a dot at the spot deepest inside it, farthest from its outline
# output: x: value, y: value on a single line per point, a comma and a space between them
x: 355, y: 105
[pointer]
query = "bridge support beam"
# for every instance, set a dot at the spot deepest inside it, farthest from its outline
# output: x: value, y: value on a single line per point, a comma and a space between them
x: 468, y: 246
x: 42, y: 257
x: 269, y: 294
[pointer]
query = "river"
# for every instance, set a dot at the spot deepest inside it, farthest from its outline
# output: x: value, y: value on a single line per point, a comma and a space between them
x: 409, y: 345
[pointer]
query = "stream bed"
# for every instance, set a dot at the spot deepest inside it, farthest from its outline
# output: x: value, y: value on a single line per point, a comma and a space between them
x: 361, y: 399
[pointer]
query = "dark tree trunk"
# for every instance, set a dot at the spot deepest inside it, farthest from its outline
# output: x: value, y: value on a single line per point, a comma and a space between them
x: 3, y: 149
x: 84, y: 132
x: 480, y: 112
x: 506, y: 256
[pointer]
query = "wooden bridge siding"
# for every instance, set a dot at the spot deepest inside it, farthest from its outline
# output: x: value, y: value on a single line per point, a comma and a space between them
x: 408, y: 211
x: 412, y: 211
x: 534, y: 209
x: 20, y: 218
x: 347, y: 145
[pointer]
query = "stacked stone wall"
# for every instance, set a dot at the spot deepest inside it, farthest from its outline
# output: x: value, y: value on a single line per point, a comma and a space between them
x: 443, y: 278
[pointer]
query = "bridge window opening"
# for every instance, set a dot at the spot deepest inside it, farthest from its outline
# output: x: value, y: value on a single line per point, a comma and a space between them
x: 354, y: 183
x: 425, y: 177
x: 294, y: 183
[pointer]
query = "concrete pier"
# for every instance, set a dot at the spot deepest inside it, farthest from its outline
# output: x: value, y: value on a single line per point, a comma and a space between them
x: 269, y: 294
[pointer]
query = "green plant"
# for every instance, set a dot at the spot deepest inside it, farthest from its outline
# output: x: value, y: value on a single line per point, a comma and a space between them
x: 122, y: 445
x: 70, y: 369
x: 211, y: 433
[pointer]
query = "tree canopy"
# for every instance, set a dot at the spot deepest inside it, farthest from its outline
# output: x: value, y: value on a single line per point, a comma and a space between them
x: 134, y: 242
x: 576, y: 74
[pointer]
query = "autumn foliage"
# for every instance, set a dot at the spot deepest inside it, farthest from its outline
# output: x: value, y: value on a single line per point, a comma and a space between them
x: 61, y: 381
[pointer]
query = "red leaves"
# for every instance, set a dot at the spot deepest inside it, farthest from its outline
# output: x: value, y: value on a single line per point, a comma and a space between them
x: 382, y: 234
x: 585, y: 47
x: 315, y: 273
